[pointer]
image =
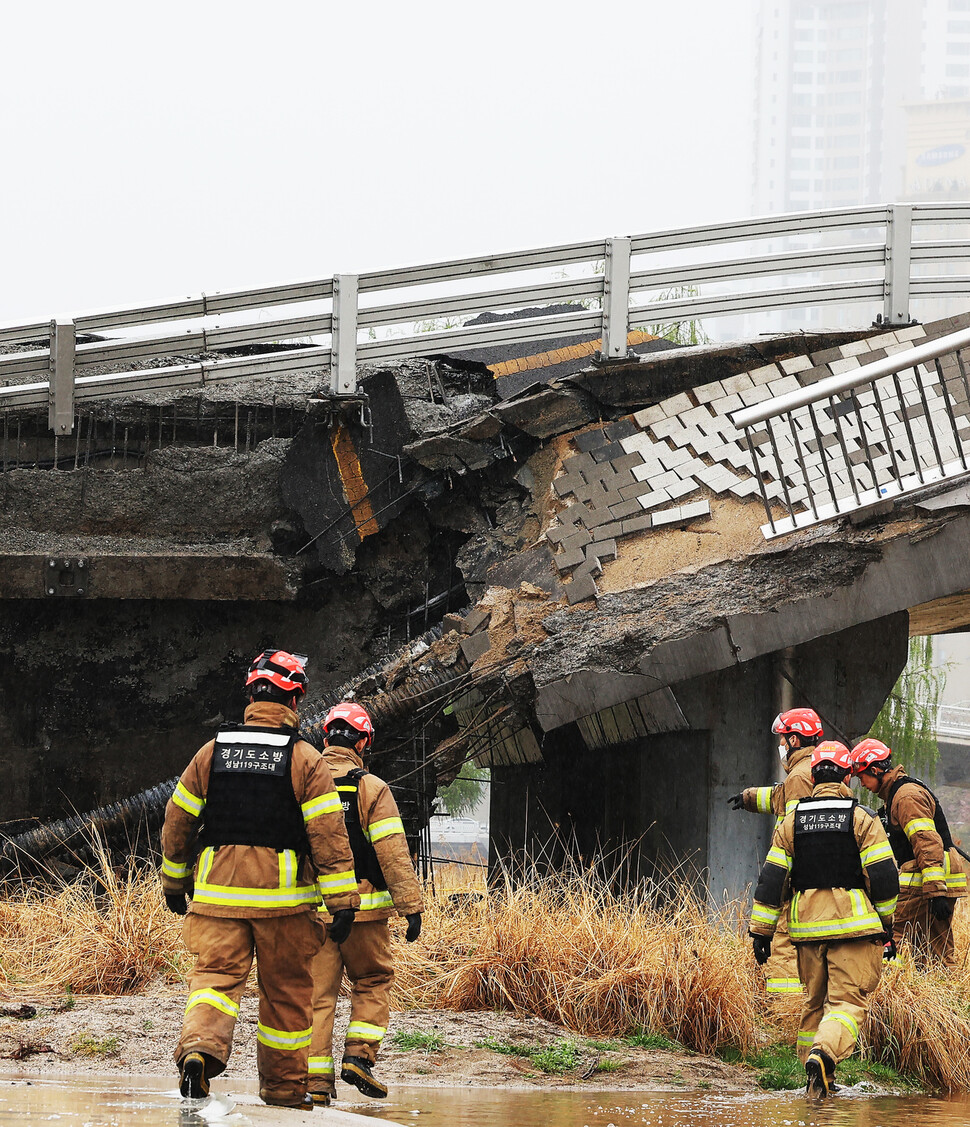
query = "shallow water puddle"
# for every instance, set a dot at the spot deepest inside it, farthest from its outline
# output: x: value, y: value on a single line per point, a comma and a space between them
x: 151, y: 1102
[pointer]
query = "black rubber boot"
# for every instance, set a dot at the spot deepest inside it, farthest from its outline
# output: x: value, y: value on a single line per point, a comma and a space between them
x: 324, y: 1098
x: 819, y: 1074
x: 193, y: 1083
x: 357, y: 1071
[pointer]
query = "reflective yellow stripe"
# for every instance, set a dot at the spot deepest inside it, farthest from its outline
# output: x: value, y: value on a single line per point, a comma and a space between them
x: 846, y: 1019
x: 384, y: 828
x: 371, y: 900
x: 933, y: 872
x: 206, y: 858
x: 779, y: 857
x: 350, y: 790
x: 882, y: 851
x: 859, y: 907
x: 763, y: 799
x: 214, y: 998
x: 790, y: 805
x: 281, y: 1039
x: 328, y: 803
x: 911, y: 880
x: 229, y: 896
x: 361, y: 1031
x: 287, y: 868
x: 187, y: 800
x: 806, y: 1037
x: 856, y: 925
x: 956, y: 880
x: 919, y: 825
x: 762, y: 914
x: 886, y: 908
x: 337, y: 882
x: 320, y: 1066
x: 783, y: 986
x: 173, y: 869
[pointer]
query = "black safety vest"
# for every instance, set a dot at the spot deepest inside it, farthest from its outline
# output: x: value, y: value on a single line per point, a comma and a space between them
x: 366, y: 864
x: 902, y: 849
x: 250, y: 799
x: 826, y: 854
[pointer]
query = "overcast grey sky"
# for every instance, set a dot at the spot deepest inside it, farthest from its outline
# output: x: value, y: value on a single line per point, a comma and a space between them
x: 156, y: 150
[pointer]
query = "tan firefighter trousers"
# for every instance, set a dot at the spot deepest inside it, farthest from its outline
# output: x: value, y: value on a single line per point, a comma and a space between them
x: 781, y: 969
x: 839, y: 976
x: 366, y: 956
x: 284, y: 947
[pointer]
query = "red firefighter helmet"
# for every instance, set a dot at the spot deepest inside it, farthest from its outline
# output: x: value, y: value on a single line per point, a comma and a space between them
x: 351, y: 715
x: 284, y: 670
x: 867, y: 752
x: 831, y: 751
x: 798, y: 721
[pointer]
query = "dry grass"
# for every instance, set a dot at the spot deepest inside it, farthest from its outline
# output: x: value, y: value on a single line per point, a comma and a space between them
x: 564, y: 948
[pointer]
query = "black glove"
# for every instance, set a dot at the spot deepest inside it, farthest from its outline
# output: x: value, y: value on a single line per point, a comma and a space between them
x: 888, y: 944
x: 736, y: 801
x: 175, y: 902
x: 343, y: 921
x: 762, y: 949
x: 941, y: 908
x: 414, y: 927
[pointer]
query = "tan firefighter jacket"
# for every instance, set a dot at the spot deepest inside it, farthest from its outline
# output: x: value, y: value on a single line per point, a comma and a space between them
x: 935, y: 871
x: 381, y: 822
x: 255, y: 880
x: 826, y: 914
x: 780, y: 799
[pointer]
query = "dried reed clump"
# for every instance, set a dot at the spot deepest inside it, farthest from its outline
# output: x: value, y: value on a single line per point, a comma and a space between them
x: 101, y: 934
x: 572, y: 951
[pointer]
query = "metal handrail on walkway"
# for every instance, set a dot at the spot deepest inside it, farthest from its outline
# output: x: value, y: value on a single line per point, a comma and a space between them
x: 875, y: 433
x: 609, y: 301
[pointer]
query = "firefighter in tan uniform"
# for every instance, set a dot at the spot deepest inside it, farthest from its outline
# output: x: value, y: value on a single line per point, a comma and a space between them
x: 387, y: 886
x: 830, y: 857
x: 799, y: 730
x: 931, y: 873
x: 254, y: 833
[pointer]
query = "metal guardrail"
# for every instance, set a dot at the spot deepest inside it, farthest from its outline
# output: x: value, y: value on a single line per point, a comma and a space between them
x: 870, y: 435
x: 953, y: 720
x: 607, y: 302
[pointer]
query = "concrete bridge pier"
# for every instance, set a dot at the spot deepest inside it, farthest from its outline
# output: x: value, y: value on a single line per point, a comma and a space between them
x: 661, y: 799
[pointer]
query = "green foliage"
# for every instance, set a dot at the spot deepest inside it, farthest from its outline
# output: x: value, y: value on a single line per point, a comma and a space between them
x: 612, y: 1064
x: 559, y: 1057
x: 907, y: 721
x: 647, y: 1040
x: 85, y: 1044
x: 426, y: 1042
x: 679, y: 332
x: 463, y: 795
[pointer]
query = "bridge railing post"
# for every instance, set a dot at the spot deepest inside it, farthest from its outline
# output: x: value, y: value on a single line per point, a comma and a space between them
x: 60, y: 403
x: 899, y: 248
x: 616, y: 299
x: 343, y: 343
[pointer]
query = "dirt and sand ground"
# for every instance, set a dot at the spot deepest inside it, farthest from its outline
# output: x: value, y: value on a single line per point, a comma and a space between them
x: 136, y: 1034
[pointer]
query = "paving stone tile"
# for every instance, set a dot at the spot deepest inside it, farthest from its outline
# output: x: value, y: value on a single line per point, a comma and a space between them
x: 881, y: 341
x: 578, y: 463
x: 637, y: 443
x: 812, y: 375
x: 668, y: 477
x: 826, y: 356
x: 669, y: 458
x: 746, y: 488
x: 735, y: 384
x: 846, y: 364
x: 704, y: 444
x: 795, y: 364
x: 709, y: 391
x: 648, y: 416
x: 621, y: 429
x: 856, y: 348
x: 638, y: 489
x: 596, y: 517
x: 667, y: 427
x: 589, y: 566
x: 558, y: 534
x: 636, y: 524
x: 608, y: 453
x: 681, y: 489
x: 652, y: 500
x: 566, y: 561
x: 676, y: 405
x: 475, y: 645
x: 764, y: 374
x: 916, y: 332
x: 730, y: 403
x: 580, y: 589
x: 572, y: 514
x: 681, y: 513
x: 611, y: 530
x: 578, y: 539
x: 696, y: 417
x: 567, y: 483
x: 627, y: 508
x: 783, y: 386
x: 627, y: 461
x: 752, y: 395
x: 603, y: 549
x: 589, y: 440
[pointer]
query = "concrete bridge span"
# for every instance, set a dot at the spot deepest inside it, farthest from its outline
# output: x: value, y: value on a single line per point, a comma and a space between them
x: 618, y: 674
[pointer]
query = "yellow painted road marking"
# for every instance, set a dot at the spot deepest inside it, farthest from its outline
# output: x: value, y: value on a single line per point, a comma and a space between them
x: 352, y: 479
x: 559, y: 355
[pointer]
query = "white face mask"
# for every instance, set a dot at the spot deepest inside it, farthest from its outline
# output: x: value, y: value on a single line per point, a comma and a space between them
x: 783, y: 752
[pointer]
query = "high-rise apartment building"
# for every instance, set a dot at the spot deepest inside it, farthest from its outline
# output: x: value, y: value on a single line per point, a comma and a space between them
x: 860, y: 102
